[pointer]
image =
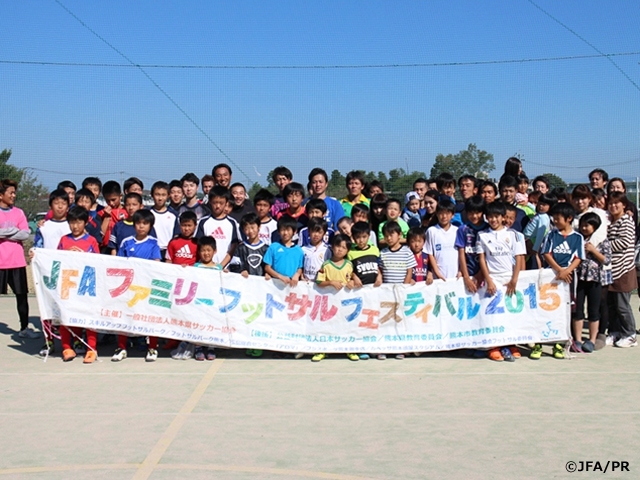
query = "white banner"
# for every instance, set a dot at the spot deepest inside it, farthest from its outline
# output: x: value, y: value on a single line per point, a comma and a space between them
x: 140, y: 297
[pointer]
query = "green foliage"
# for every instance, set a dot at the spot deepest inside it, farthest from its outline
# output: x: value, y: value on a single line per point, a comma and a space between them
x: 466, y: 162
x: 555, y: 180
x: 32, y: 196
x: 254, y: 189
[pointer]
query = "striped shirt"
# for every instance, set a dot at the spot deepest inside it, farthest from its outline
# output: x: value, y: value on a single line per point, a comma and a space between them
x: 394, y: 265
x: 621, y: 235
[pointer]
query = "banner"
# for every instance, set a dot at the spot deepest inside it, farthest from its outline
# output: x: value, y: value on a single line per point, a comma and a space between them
x: 208, y: 307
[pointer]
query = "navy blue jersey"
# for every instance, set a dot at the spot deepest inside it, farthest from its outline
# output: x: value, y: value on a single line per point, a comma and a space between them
x: 467, y: 238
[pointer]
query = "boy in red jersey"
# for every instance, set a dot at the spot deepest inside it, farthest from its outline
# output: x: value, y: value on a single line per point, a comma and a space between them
x: 183, y: 250
x: 112, y: 213
x: 78, y: 241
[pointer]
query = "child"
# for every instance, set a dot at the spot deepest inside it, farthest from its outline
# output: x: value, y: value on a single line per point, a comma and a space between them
x: 94, y: 185
x: 317, y: 251
x: 220, y: 226
x: 14, y: 229
x: 344, y: 226
x: 336, y: 272
x: 183, y: 250
x: 562, y: 250
x: 467, y: 243
x: 189, y: 183
x: 365, y: 257
x: 48, y: 236
x: 511, y: 212
x: 392, y: 211
x: 522, y: 198
x: 133, y: 185
x: 166, y: 223
x: 396, y: 261
x: 281, y: 177
x: 206, y: 254
x: 86, y: 200
x: 446, y: 184
x: 126, y: 228
x: 500, y: 254
x: 377, y: 212
x: 284, y: 260
x: 361, y: 213
x: 314, y: 208
x: 78, y: 241
x: 593, y: 273
x: 263, y: 200
x: 421, y: 272
x: 440, y: 243
x: 176, y: 196
x: 294, y: 195
x: 112, y: 213
x: 139, y: 245
x: 70, y: 188
x: 411, y: 212
x: 537, y: 228
x: 355, y: 185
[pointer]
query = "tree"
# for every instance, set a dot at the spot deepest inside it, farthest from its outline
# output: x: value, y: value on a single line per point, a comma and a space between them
x: 32, y: 196
x: 253, y: 190
x: 466, y: 162
x: 555, y: 180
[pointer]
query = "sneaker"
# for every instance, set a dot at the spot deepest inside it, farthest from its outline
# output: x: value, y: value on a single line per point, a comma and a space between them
x: 601, y: 341
x: 119, y: 355
x: 211, y: 354
x: 558, y: 351
x: 256, y: 353
x: 353, y: 357
x: 495, y: 355
x: 179, y: 352
x: 47, y: 349
x: 199, y: 354
x: 68, y: 354
x: 536, y: 352
x: 152, y: 355
x: 318, y: 357
x: 381, y: 356
x: 90, y: 357
x: 515, y: 351
x: 417, y: 354
x: 298, y: 355
x: 507, y: 355
x: 188, y: 352
x: 576, y: 347
x: 28, y: 333
x: 400, y: 356
x: 588, y: 346
x: 627, y: 342
x: 79, y: 347
x: 612, y: 339
x: 364, y: 356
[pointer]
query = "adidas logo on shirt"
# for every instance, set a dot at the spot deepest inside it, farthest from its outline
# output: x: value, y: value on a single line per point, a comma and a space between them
x: 563, y: 248
x: 184, y: 252
x: 218, y: 233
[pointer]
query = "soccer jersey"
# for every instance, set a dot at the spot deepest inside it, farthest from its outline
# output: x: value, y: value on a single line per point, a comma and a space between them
x: 266, y: 230
x: 84, y: 243
x: 12, y: 221
x: 420, y: 271
x: 404, y: 227
x: 200, y: 209
x: 251, y: 257
x: 333, y: 272
x: 564, y: 249
x: 500, y: 248
x: 467, y: 238
x: 215, y: 266
x: 182, y: 251
x: 365, y: 263
x: 226, y: 232
x: 146, y: 249
x: 305, y: 239
x: 125, y: 229
x: 314, y: 257
x: 394, y: 264
x: 347, y: 204
x: 166, y: 226
x: 116, y: 215
x: 284, y: 260
x: 93, y: 229
x: 441, y: 244
x: 50, y: 233
x: 300, y: 217
x: 536, y: 229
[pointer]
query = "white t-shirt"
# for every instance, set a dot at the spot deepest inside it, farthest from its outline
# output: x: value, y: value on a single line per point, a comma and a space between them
x: 441, y: 244
x: 166, y: 226
x: 500, y: 248
x: 267, y: 229
x: 314, y: 257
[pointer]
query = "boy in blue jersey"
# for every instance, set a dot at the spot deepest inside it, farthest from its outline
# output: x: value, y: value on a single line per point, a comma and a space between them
x: 315, y: 208
x: 467, y: 242
x: 284, y: 260
x: 126, y: 228
x: 562, y: 249
x: 139, y: 245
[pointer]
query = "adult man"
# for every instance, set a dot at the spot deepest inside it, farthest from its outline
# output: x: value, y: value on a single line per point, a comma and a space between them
x: 598, y: 178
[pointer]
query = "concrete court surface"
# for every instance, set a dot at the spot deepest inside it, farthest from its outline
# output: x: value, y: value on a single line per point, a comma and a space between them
x: 444, y: 416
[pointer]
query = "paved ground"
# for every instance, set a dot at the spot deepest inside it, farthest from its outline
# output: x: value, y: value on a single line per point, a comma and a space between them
x: 238, y: 418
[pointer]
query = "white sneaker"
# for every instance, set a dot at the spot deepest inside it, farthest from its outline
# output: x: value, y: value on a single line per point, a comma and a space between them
x: 627, y: 342
x: 299, y: 355
x: 612, y: 339
x: 179, y: 352
x: 152, y: 355
x: 120, y: 354
x: 28, y: 333
x: 189, y: 351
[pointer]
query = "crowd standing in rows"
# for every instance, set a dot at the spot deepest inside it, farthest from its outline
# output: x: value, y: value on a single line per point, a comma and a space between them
x: 486, y: 238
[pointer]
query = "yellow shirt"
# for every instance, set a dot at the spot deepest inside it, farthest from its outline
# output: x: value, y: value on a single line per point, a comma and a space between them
x: 331, y: 272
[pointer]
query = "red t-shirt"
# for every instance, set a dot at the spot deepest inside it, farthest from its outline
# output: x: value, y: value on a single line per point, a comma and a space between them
x: 183, y: 251
x: 85, y: 243
x: 117, y: 214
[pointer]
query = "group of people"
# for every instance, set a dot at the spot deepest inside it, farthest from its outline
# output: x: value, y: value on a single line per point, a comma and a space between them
x: 443, y: 229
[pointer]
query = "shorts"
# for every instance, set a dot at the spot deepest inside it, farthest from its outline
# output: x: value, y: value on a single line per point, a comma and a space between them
x: 16, y: 278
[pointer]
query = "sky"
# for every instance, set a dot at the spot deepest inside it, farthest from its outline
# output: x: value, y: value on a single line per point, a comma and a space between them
x: 415, y: 79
